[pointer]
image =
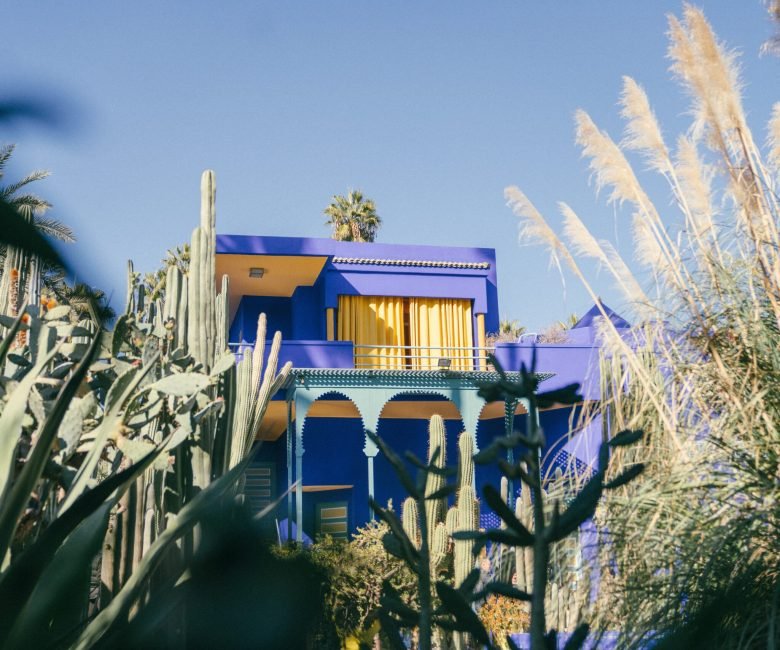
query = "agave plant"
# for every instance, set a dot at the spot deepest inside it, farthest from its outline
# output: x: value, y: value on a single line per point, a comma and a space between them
x: 123, y: 440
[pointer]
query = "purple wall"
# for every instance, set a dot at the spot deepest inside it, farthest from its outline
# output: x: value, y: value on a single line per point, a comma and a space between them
x: 311, y: 354
x: 570, y: 363
x: 476, y: 284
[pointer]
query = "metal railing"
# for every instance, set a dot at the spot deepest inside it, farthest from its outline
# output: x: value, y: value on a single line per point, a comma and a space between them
x: 421, y: 357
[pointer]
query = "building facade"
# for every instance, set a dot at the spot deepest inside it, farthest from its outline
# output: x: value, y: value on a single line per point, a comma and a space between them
x: 381, y: 337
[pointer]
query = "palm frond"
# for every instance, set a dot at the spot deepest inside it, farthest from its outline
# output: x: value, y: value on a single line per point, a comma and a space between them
x: 9, y: 190
x: 54, y: 228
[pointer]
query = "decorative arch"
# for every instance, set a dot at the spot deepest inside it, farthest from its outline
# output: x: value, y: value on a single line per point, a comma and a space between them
x: 370, y: 391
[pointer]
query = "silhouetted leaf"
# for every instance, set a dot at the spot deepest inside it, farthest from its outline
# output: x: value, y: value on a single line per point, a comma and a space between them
x: 499, y: 506
x: 391, y: 601
x: 578, y: 637
x: 397, y: 464
x: 567, y: 395
x: 393, y: 546
x: 408, y: 550
x: 419, y: 464
x: 16, y: 231
x: 629, y: 475
x: 470, y: 581
x: 515, y: 471
x: 392, y: 631
x: 512, y: 645
x: 497, y: 535
x: 551, y: 640
x: 488, y: 454
x: 503, y: 589
x: 443, y: 493
x: 579, y: 510
x: 465, y: 618
x: 626, y: 437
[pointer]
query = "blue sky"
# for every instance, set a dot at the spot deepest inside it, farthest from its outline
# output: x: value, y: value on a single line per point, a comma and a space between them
x: 431, y: 108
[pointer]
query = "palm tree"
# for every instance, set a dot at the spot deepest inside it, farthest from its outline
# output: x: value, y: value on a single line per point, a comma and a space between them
x: 23, y: 274
x: 353, y: 217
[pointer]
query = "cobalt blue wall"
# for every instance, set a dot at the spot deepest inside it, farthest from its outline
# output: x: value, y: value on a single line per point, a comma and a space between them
x: 308, y: 314
x: 278, y: 311
x: 334, y: 456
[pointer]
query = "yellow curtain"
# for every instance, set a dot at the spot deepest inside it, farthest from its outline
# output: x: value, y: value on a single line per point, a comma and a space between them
x: 373, y: 323
x: 440, y: 326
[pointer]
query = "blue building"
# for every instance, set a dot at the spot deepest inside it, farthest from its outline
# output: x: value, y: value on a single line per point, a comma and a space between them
x: 381, y: 337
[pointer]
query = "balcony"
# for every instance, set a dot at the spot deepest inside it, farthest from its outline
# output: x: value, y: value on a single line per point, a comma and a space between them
x: 344, y: 354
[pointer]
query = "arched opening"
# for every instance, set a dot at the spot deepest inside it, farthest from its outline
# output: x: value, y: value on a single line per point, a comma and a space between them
x: 403, y: 425
x: 335, y: 477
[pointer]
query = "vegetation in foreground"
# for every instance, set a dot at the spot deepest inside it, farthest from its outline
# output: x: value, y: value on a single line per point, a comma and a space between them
x: 691, y: 550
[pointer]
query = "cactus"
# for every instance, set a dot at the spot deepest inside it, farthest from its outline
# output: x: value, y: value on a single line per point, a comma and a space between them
x: 409, y: 521
x: 437, y: 445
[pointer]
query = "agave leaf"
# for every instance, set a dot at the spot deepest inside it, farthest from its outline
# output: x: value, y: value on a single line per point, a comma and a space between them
x: 21, y: 577
x: 120, y: 392
x: 11, y: 422
x: 61, y: 586
x: 118, y: 609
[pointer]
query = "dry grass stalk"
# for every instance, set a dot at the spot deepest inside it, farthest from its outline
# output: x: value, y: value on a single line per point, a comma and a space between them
x: 702, y: 376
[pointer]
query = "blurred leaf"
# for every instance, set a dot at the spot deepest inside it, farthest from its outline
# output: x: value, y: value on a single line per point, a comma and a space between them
x: 578, y: 511
x: 118, y: 609
x: 629, y: 475
x: 626, y: 437
x: 503, y: 589
x: 392, y: 631
x: 21, y: 577
x: 62, y: 584
x: 471, y: 580
x: 409, y: 551
x: 397, y: 464
x: 443, y: 492
x: 16, y: 231
x: 578, y: 637
x: 499, y: 506
x: 567, y: 395
x: 391, y: 601
x: 465, y: 617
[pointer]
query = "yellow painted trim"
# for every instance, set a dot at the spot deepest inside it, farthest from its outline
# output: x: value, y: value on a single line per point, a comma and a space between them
x: 481, y: 339
x: 330, y: 323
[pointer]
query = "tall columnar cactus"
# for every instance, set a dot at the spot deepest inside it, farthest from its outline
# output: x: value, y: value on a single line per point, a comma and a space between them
x: 467, y: 507
x: 187, y: 327
x: 409, y: 520
x: 437, y: 447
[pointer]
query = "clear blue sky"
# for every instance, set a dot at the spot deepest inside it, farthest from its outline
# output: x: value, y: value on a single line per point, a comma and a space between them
x: 431, y: 108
